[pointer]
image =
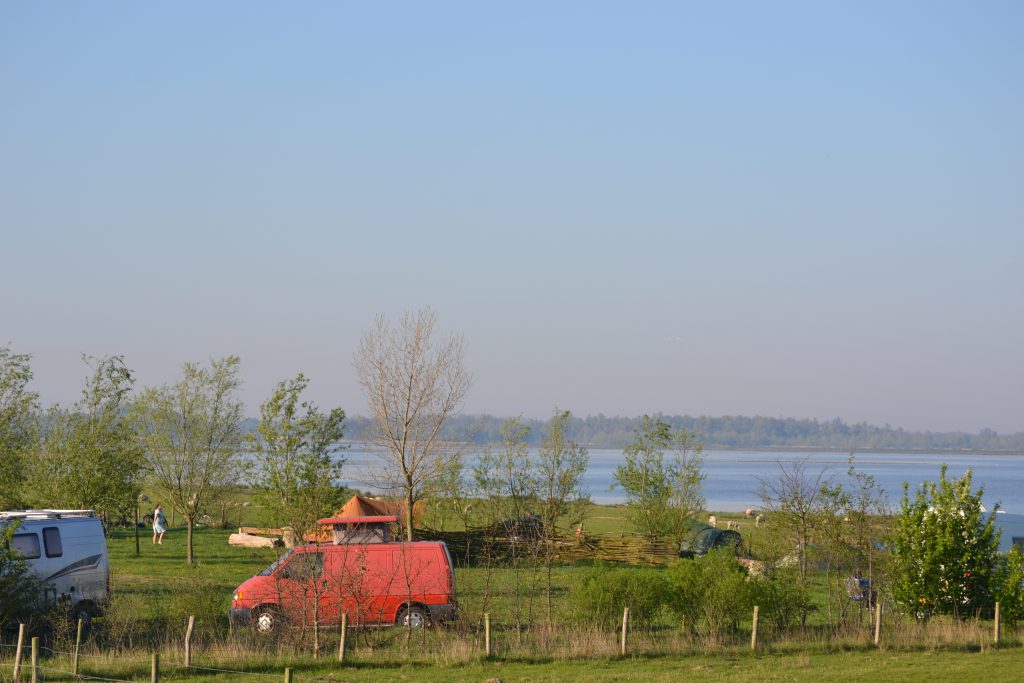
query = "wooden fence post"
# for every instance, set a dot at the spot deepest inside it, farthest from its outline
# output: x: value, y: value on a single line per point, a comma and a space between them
x: 344, y: 632
x: 35, y: 659
x: 288, y: 675
x: 487, y: 635
x: 995, y: 628
x: 625, y: 628
x: 188, y: 640
x: 78, y: 644
x: 154, y: 669
x: 878, y: 624
x: 753, y: 631
x: 17, y: 653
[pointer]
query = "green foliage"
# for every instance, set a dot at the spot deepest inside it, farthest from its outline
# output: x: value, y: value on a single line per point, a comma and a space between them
x: 19, y: 589
x: 782, y: 599
x: 945, y: 551
x: 1009, y: 586
x: 506, y: 479
x: 295, y: 450
x: 192, y: 434
x: 89, y: 457
x: 560, y: 466
x: 18, y: 421
x: 601, y: 594
x: 710, y: 594
x: 662, y: 497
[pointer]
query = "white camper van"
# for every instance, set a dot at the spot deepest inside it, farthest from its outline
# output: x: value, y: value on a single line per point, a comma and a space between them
x: 67, y: 551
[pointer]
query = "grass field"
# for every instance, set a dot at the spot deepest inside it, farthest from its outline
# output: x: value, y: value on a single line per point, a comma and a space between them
x: 153, y: 593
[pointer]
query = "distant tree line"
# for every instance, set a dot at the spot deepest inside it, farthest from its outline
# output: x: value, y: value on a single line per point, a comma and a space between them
x: 732, y: 432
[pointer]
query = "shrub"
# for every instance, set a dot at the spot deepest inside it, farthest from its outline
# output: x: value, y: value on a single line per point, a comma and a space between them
x: 601, y: 595
x: 781, y: 598
x: 710, y: 594
x: 1009, y: 583
x: 944, y: 550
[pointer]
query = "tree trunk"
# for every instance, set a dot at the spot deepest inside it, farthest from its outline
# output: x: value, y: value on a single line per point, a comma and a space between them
x: 188, y: 540
x: 408, y: 511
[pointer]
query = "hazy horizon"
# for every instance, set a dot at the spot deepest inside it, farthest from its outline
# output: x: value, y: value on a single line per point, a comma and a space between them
x: 809, y: 210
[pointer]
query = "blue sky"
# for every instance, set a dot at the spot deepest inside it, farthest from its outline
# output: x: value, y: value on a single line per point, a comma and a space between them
x: 787, y: 209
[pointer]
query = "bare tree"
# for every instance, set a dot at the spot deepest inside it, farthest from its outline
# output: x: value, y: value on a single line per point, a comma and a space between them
x: 192, y: 433
x: 797, y: 500
x: 413, y: 383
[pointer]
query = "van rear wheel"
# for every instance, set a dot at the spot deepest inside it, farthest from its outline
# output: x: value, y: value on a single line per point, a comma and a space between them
x: 83, y: 612
x: 267, y: 620
x: 414, y: 616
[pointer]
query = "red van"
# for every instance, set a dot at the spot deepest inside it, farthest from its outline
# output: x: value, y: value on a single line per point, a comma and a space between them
x: 362, y: 574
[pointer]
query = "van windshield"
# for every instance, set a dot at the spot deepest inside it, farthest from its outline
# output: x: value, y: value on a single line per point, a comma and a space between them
x: 277, y: 563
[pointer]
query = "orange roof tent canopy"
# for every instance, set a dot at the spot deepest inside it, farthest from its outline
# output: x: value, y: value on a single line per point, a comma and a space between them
x: 360, y: 506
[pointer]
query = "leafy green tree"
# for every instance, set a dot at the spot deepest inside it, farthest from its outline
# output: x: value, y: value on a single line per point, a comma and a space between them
x: 662, y: 496
x: 192, y: 436
x: 19, y: 409
x: 19, y: 588
x: 89, y: 457
x: 944, y: 549
x: 560, y: 465
x: 295, y: 448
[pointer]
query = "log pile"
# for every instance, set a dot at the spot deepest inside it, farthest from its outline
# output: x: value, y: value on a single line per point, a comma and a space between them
x: 254, y: 541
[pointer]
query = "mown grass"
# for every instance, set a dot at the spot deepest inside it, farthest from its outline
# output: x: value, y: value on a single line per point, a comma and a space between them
x: 990, y: 665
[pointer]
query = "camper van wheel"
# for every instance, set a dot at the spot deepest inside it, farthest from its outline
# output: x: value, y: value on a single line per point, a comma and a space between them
x: 414, y: 616
x: 84, y: 612
x: 267, y: 620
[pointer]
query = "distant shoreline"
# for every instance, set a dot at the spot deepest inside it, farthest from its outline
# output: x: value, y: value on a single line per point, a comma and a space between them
x: 787, y: 449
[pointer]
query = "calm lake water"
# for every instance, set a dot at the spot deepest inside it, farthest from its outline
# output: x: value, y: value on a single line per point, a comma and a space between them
x: 732, y: 476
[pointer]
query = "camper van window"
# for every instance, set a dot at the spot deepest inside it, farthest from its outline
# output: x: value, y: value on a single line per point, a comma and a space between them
x: 277, y: 563
x: 27, y: 545
x: 51, y: 541
x: 305, y: 566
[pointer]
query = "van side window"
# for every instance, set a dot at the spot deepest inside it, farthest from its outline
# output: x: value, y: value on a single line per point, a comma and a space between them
x: 305, y: 566
x: 27, y: 545
x: 51, y: 541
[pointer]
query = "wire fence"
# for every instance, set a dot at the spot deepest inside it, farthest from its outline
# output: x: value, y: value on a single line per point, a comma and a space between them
x: 52, y: 662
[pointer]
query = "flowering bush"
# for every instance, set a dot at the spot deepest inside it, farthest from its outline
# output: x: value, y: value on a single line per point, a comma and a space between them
x: 945, y: 550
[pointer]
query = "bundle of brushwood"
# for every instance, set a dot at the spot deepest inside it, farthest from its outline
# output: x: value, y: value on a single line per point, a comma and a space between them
x: 478, y: 546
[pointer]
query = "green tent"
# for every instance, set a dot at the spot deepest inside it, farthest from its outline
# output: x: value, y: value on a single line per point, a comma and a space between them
x: 704, y: 538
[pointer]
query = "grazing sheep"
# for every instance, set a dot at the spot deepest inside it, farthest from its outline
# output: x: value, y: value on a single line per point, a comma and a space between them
x: 732, y: 525
x: 759, y: 520
x: 749, y: 513
x: 713, y: 521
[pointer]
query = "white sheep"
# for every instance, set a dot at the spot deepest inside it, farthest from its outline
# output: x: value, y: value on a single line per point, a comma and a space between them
x: 759, y: 520
x: 732, y: 525
x: 749, y: 513
x: 713, y: 521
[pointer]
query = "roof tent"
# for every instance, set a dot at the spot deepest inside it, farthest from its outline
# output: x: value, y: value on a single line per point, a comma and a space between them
x: 365, y: 529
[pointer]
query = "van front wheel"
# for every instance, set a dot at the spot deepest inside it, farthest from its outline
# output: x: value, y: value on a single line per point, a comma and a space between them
x: 267, y: 621
x: 414, y: 616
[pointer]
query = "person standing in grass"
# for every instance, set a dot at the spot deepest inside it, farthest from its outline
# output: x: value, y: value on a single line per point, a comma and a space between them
x: 159, y: 524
